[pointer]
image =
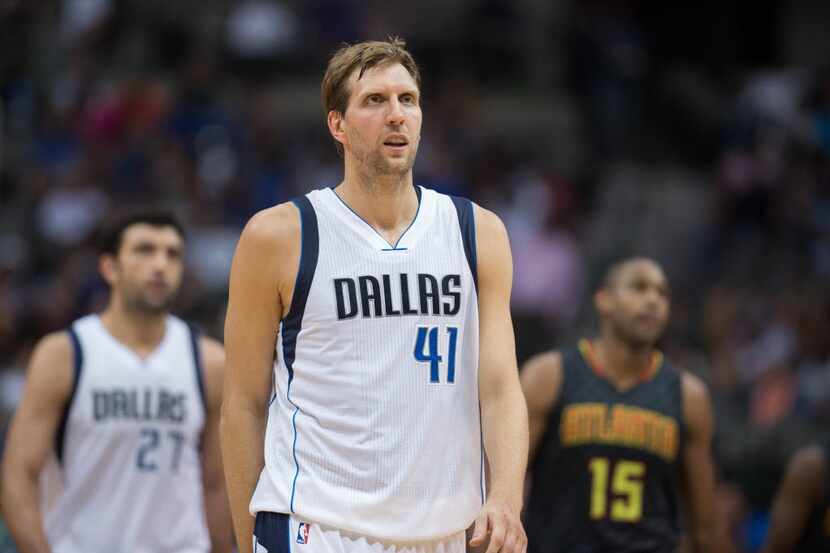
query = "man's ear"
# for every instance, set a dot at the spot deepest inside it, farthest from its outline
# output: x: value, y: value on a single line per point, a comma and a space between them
x: 106, y: 266
x: 602, y: 301
x: 335, y: 123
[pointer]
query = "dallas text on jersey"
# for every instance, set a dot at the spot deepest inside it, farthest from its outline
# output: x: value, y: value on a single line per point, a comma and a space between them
x: 370, y: 296
x: 142, y: 405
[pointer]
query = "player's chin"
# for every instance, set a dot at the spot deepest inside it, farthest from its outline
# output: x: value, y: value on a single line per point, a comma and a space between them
x: 643, y: 338
x: 398, y: 167
x: 158, y: 305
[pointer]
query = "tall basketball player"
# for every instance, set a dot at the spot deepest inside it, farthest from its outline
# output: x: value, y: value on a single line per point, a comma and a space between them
x: 387, y: 305
x: 800, y: 518
x: 128, y: 402
x: 617, y: 434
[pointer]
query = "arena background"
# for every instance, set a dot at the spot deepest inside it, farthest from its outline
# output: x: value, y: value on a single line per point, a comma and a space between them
x: 697, y: 134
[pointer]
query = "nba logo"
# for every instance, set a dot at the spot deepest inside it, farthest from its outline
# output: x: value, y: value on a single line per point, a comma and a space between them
x: 302, y: 533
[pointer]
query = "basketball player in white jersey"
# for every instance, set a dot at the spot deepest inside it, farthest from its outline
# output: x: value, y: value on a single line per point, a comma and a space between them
x: 115, y: 446
x: 387, y: 305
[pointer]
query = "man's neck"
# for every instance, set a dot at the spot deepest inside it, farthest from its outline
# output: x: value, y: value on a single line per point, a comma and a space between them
x: 387, y: 203
x: 140, y: 332
x: 622, y: 362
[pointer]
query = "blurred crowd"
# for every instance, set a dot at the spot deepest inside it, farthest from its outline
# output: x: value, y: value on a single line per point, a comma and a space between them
x: 596, y: 129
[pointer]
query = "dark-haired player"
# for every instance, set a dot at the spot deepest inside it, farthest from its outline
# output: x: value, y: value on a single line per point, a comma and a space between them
x: 114, y: 446
x: 616, y: 432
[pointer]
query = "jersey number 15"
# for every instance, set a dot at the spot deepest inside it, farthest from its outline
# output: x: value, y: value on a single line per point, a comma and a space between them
x: 626, y: 489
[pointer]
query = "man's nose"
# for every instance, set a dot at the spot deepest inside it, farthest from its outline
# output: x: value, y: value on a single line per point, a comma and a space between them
x: 395, y: 115
x: 160, y: 262
x: 652, y: 296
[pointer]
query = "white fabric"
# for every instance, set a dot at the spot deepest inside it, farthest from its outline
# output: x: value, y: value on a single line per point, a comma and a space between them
x: 315, y: 538
x: 363, y: 440
x: 130, y: 479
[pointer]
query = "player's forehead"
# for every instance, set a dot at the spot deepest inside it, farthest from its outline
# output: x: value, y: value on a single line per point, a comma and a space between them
x: 642, y: 270
x: 389, y: 76
x: 159, y: 235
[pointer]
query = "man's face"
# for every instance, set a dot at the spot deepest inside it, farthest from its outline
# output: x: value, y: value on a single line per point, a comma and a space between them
x: 381, y: 128
x: 637, y: 302
x: 147, y: 270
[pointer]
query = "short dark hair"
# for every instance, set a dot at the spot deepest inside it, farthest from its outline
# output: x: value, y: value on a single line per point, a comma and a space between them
x: 112, y: 232
x: 615, y: 267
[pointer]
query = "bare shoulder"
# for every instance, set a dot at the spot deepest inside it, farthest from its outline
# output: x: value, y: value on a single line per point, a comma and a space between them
x: 805, y: 476
x: 213, y: 354
x: 495, y: 265
x: 267, y: 256
x: 541, y: 378
x: 489, y: 226
x: 694, y: 389
x: 697, y: 404
x: 50, y: 369
x: 277, y: 225
x: 810, y: 463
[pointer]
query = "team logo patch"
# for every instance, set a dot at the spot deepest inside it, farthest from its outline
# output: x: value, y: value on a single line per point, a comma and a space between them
x: 302, y: 533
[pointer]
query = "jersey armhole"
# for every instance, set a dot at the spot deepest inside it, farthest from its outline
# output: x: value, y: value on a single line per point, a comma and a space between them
x: 309, y: 254
x: 77, y: 365
x: 197, y: 364
x: 467, y: 222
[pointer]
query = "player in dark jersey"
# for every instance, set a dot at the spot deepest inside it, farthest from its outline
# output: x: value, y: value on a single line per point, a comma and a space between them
x: 616, y: 433
x: 801, y: 511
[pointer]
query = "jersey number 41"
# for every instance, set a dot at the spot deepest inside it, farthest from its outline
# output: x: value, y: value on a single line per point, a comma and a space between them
x: 427, y: 351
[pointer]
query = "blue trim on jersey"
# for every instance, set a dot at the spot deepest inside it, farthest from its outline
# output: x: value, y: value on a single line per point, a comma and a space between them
x: 291, y: 325
x: 197, y: 363
x: 77, y: 365
x: 467, y: 221
x: 393, y: 247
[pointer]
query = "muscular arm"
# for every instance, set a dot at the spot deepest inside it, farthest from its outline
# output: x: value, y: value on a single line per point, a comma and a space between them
x: 503, y: 409
x: 261, y: 281
x: 30, y: 438
x: 217, y: 512
x: 796, y: 498
x: 698, y: 470
x: 541, y: 378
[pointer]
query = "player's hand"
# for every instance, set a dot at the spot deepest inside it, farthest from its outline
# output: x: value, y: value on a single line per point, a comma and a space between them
x: 501, y: 523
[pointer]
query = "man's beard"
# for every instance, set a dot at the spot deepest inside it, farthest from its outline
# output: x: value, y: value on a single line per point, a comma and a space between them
x: 380, y: 166
x: 376, y: 164
x: 636, y: 340
x: 137, y: 303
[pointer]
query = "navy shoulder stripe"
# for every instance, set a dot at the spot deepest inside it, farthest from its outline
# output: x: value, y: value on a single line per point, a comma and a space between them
x: 197, y: 363
x: 466, y: 219
x: 309, y: 253
x: 77, y: 365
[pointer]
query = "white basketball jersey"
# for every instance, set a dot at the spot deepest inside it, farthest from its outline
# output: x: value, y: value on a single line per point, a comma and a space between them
x: 128, y: 472
x: 374, y: 423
